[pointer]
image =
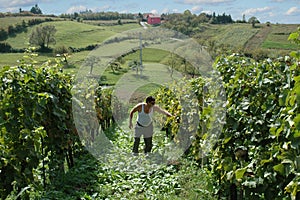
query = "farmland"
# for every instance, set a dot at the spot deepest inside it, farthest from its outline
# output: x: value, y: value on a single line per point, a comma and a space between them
x: 65, y: 135
x: 232, y: 36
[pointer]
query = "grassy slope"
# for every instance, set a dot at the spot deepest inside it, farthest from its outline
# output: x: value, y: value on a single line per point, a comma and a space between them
x: 277, y: 37
x: 77, y: 35
x: 244, y: 36
x: 7, y: 21
x: 70, y: 34
x: 234, y: 35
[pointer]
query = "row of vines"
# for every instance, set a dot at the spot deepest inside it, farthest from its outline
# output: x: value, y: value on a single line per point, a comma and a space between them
x: 257, y: 156
x: 38, y: 138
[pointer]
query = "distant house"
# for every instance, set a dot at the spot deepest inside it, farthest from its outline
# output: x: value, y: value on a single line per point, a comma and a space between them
x: 145, y: 15
x: 153, y: 19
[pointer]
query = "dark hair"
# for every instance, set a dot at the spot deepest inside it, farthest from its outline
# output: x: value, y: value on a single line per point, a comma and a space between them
x: 150, y: 99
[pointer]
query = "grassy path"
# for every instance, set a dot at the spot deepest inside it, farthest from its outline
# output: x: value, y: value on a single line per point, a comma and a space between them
x: 257, y: 40
x: 127, y: 177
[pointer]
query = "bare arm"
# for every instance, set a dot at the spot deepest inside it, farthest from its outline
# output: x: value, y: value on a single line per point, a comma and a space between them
x: 133, y: 110
x: 162, y: 111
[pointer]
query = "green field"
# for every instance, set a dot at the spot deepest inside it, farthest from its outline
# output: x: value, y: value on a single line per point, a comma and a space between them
x: 69, y: 34
x: 234, y: 35
x: 83, y: 34
x: 231, y: 135
x: 149, y: 55
x: 278, y: 37
x: 73, y: 34
x: 8, y: 21
x: 244, y: 36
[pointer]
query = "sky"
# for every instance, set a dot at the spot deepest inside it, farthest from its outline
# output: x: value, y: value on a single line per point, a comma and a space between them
x: 274, y: 11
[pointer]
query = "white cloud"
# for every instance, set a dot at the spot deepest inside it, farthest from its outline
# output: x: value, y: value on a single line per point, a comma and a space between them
x: 124, y: 11
x: 253, y: 11
x: 100, y: 9
x: 209, y: 12
x: 15, y: 5
x: 154, y: 12
x: 20, y: 3
x: 76, y: 9
x: 165, y: 10
x: 80, y: 8
x: 196, y: 9
x: 293, y: 11
x: 271, y: 14
x: 204, y: 1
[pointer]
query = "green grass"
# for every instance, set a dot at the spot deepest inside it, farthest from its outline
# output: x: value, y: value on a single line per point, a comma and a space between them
x: 148, y: 88
x: 7, y: 21
x: 69, y: 33
x: 278, y: 38
x: 149, y: 55
x: 121, y: 28
x: 12, y: 59
x: 80, y: 35
x: 235, y: 35
x: 75, y: 60
x: 72, y: 34
x: 279, y: 45
x: 111, y: 77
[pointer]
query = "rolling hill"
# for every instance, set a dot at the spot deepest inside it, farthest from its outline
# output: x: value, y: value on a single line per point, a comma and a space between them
x: 272, y: 38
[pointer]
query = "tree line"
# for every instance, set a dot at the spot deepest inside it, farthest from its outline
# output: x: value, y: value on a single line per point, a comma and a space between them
x: 89, y: 15
x: 12, y: 30
x: 188, y: 23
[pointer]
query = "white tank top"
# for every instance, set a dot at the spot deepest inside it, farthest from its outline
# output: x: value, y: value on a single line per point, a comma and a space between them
x: 145, y: 119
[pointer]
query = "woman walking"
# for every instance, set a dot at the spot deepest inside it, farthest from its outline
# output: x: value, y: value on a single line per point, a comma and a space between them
x: 144, y: 123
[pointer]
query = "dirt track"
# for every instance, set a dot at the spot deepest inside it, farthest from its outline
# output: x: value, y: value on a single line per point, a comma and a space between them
x: 256, y: 41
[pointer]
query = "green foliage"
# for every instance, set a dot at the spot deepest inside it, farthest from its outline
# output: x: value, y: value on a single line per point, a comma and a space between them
x: 262, y: 119
x: 35, y: 124
x: 89, y: 15
x: 64, y: 52
x: 42, y: 36
x: 256, y: 156
x: 93, y: 179
x: 189, y: 24
x: 295, y: 38
x: 36, y: 10
x: 253, y: 20
x: 193, y: 115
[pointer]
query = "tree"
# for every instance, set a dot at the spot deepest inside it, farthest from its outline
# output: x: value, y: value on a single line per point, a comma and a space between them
x: 244, y: 18
x: 43, y: 36
x: 36, y: 10
x: 91, y: 61
x: 253, y: 20
x: 64, y: 52
x: 134, y: 65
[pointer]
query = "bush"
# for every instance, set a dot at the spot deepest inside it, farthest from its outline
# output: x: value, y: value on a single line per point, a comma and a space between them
x: 5, y: 47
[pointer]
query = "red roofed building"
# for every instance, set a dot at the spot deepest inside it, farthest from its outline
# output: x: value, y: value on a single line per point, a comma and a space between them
x: 153, y: 19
